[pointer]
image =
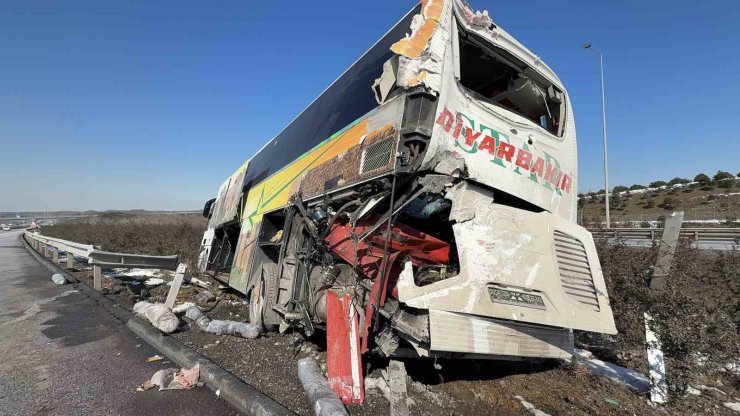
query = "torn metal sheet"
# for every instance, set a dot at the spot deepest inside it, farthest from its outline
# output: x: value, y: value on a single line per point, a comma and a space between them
x: 509, y: 270
x: 422, y: 29
x: 205, y: 249
x: 419, y: 59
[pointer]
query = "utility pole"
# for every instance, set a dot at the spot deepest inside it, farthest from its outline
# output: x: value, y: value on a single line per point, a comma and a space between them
x: 603, y: 122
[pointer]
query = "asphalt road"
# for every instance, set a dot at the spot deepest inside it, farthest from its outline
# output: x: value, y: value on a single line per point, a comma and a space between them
x: 61, y: 354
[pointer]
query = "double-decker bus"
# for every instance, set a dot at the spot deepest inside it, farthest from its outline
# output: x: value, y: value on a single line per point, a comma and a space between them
x: 424, y: 204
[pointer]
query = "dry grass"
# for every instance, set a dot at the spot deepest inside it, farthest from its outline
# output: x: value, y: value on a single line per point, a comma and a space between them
x: 698, y: 314
x: 153, y: 234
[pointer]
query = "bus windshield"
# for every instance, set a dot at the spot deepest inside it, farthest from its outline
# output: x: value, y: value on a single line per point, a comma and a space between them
x: 495, y: 76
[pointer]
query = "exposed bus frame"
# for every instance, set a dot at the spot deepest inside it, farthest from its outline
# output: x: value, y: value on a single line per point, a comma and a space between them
x: 427, y: 220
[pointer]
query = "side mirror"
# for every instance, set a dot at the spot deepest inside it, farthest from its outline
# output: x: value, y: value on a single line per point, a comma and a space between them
x: 207, y: 208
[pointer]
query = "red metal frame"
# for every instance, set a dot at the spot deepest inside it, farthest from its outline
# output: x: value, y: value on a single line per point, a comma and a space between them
x: 367, y: 257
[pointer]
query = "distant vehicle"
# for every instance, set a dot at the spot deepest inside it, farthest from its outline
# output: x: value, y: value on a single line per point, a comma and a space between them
x: 423, y: 205
x: 6, y: 228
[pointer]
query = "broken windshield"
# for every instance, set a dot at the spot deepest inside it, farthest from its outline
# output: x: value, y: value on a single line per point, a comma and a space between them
x: 495, y: 76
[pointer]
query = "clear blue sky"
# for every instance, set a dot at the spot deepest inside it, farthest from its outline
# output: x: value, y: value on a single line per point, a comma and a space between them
x: 122, y: 104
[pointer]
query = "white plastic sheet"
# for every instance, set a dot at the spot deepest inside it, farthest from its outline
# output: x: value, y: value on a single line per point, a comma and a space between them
x: 159, y: 315
x: 219, y: 327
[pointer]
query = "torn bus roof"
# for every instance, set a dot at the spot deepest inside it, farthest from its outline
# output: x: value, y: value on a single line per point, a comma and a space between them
x: 420, y: 54
x: 423, y: 27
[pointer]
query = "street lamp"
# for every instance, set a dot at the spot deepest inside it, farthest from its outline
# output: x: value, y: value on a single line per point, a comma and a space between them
x: 603, y: 120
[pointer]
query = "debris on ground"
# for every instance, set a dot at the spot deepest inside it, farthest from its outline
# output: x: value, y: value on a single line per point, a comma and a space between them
x: 205, y: 300
x: 58, y: 279
x: 154, y: 281
x: 379, y: 384
x: 530, y: 407
x: 326, y: 403
x: 159, y: 315
x: 398, y: 392
x: 629, y: 378
x: 656, y: 363
x: 147, y: 385
x: 154, y: 358
x: 198, y: 282
x: 219, y: 327
x: 181, y: 308
x: 174, y: 379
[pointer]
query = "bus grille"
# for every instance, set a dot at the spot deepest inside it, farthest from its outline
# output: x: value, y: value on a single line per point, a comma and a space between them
x: 575, y: 271
x: 376, y: 155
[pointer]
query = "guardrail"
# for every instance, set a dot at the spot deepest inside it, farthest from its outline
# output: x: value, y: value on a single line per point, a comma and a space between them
x: 715, y: 238
x: 51, y: 247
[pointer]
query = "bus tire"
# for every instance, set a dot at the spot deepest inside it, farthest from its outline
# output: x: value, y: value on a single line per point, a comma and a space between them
x: 262, y: 299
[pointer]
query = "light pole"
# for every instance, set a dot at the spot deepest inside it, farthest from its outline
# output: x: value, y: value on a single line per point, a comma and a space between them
x: 603, y: 120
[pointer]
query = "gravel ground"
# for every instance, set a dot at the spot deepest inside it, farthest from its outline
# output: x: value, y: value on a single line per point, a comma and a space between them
x: 455, y: 387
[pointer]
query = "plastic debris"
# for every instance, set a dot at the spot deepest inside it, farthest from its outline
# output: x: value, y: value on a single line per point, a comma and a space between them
x: 147, y: 385
x: 58, y: 279
x: 183, y: 307
x: 154, y: 358
x: 530, y: 407
x: 629, y: 378
x: 198, y: 282
x: 219, y: 327
x: 611, y: 402
x: 326, y: 403
x: 732, y: 406
x: 159, y: 315
x: 205, y: 300
x: 154, y: 281
x: 172, y: 379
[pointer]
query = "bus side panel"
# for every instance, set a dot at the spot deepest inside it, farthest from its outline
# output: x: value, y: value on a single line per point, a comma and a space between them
x: 273, y: 193
x: 334, y: 163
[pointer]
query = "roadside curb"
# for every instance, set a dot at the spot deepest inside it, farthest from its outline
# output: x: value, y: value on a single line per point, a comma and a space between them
x: 245, y: 398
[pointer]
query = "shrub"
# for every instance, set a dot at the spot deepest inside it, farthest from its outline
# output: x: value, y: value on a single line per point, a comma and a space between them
x: 636, y: 187
x: 657, y: 184
x: 726, y: 183
x: 620, y: 188
x: 677, y: 181
x: 720, y: 175
x: 153, y: 234
x: 702, y: 178
x: 668, y: 203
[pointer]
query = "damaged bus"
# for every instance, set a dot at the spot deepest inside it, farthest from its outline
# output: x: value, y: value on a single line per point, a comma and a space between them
x: 423, y: 205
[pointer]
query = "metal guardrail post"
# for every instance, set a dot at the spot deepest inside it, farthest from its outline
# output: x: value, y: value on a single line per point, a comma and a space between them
x: 176, y: 283
x: 667, y: 248
x: 70, y: 261
x: 97, y: 278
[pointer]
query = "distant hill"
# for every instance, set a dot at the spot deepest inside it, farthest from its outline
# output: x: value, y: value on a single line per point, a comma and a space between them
x: 705, y: 200
x: 60, y: 214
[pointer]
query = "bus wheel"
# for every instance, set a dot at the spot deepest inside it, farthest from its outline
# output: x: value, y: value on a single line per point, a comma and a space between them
x: 260, y: 299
